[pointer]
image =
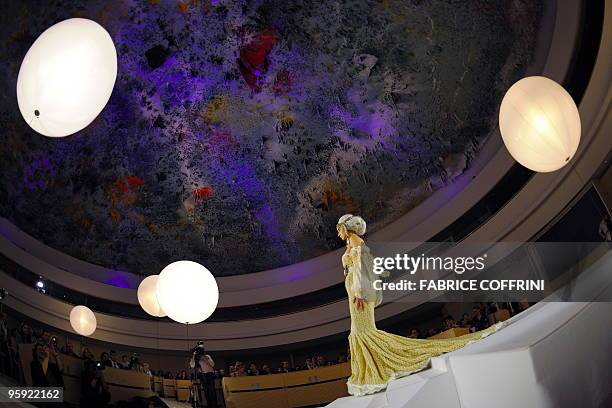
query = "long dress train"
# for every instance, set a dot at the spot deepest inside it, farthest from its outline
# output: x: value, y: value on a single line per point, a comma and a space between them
x: 378, y: 357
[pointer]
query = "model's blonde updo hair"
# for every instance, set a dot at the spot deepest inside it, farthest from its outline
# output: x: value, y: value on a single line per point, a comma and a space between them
x: 353, y: 223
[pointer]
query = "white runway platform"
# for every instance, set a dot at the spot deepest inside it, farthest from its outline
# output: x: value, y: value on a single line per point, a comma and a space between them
x: 554, y: 355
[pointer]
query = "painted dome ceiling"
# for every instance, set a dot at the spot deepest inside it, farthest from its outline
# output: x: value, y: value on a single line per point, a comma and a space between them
x: 238, y: 132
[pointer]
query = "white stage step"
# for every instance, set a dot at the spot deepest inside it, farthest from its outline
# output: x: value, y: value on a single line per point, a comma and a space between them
x: 369, y: 401
x: 554, y: 355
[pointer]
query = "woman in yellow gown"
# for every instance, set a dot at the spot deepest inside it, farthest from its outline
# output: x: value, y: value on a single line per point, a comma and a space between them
x: 378, y: 357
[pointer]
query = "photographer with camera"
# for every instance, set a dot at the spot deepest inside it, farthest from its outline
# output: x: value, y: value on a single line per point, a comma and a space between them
x: 205, y: 369
x: 94, y: 387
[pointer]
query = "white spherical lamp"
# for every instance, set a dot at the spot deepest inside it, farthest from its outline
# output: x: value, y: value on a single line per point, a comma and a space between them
x: 67, y: 77
x: 83, y: 320
x: 147, y: 296
x: 187, y: 292
x: 540, y: 124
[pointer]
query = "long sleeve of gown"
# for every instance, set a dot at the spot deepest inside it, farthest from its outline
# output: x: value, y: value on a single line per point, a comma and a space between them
x: 358, y: 276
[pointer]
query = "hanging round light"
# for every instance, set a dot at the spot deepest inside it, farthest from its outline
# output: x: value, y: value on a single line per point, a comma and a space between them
x: 83, y: 320
x: 147, y: 296
x: 67, y: 77
x: 540, y: 124
x: 187, y: 292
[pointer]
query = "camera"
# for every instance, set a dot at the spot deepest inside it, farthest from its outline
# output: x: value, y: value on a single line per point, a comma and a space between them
x: 199, y: 349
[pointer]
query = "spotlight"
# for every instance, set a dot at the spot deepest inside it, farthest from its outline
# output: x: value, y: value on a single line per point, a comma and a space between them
x: 3, y: 294
x: 40, y: 286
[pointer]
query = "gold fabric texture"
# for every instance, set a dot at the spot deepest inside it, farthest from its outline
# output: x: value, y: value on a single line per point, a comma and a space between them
x: 378, y: 357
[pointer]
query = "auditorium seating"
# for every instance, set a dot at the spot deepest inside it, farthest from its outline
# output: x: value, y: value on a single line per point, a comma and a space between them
x: 287, y: 390
x: 183, y: 388
x: 450, y: 333
x: 123, y: 384
x: 169, y: 388
x: 158, y: 385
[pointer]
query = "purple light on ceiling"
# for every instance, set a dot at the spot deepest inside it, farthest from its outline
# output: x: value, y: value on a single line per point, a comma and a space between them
x: 119, y: 280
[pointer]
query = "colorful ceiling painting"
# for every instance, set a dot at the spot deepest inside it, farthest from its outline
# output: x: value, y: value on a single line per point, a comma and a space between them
x: 239, y: 131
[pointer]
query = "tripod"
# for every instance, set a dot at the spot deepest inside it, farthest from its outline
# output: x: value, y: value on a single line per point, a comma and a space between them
x: 197, y: 354
x: 195, y: 394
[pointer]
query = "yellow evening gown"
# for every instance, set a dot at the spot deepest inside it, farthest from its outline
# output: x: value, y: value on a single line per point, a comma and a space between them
x: 378, y: 357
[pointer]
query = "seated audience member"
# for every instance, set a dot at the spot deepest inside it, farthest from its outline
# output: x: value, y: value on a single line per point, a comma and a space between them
x: 449, y: 323
x: 147, y: 369
x: 68, y: 350
x: 26, y: 334
x: 125, y: 362
x: 44, y: 338
x: 182, y: 375
x: 240, y: 369
x: 105, y: 359
x: 167, y: 376
x: 253, y: 370
x: 136, y: 365
x: 414, y: 334
x: 320, y: 361
x: 112, y: 359
x: 465, y: 321
x: 310, y: 364
x: 342, y: 358
x: 285, y: 367
x: 95, y: 392
x: 479, y: 321
x: 86, y: 354
x: 265, y: 370
x: 46, y: 367
x: 432, y: 332
x: 222, y: 372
